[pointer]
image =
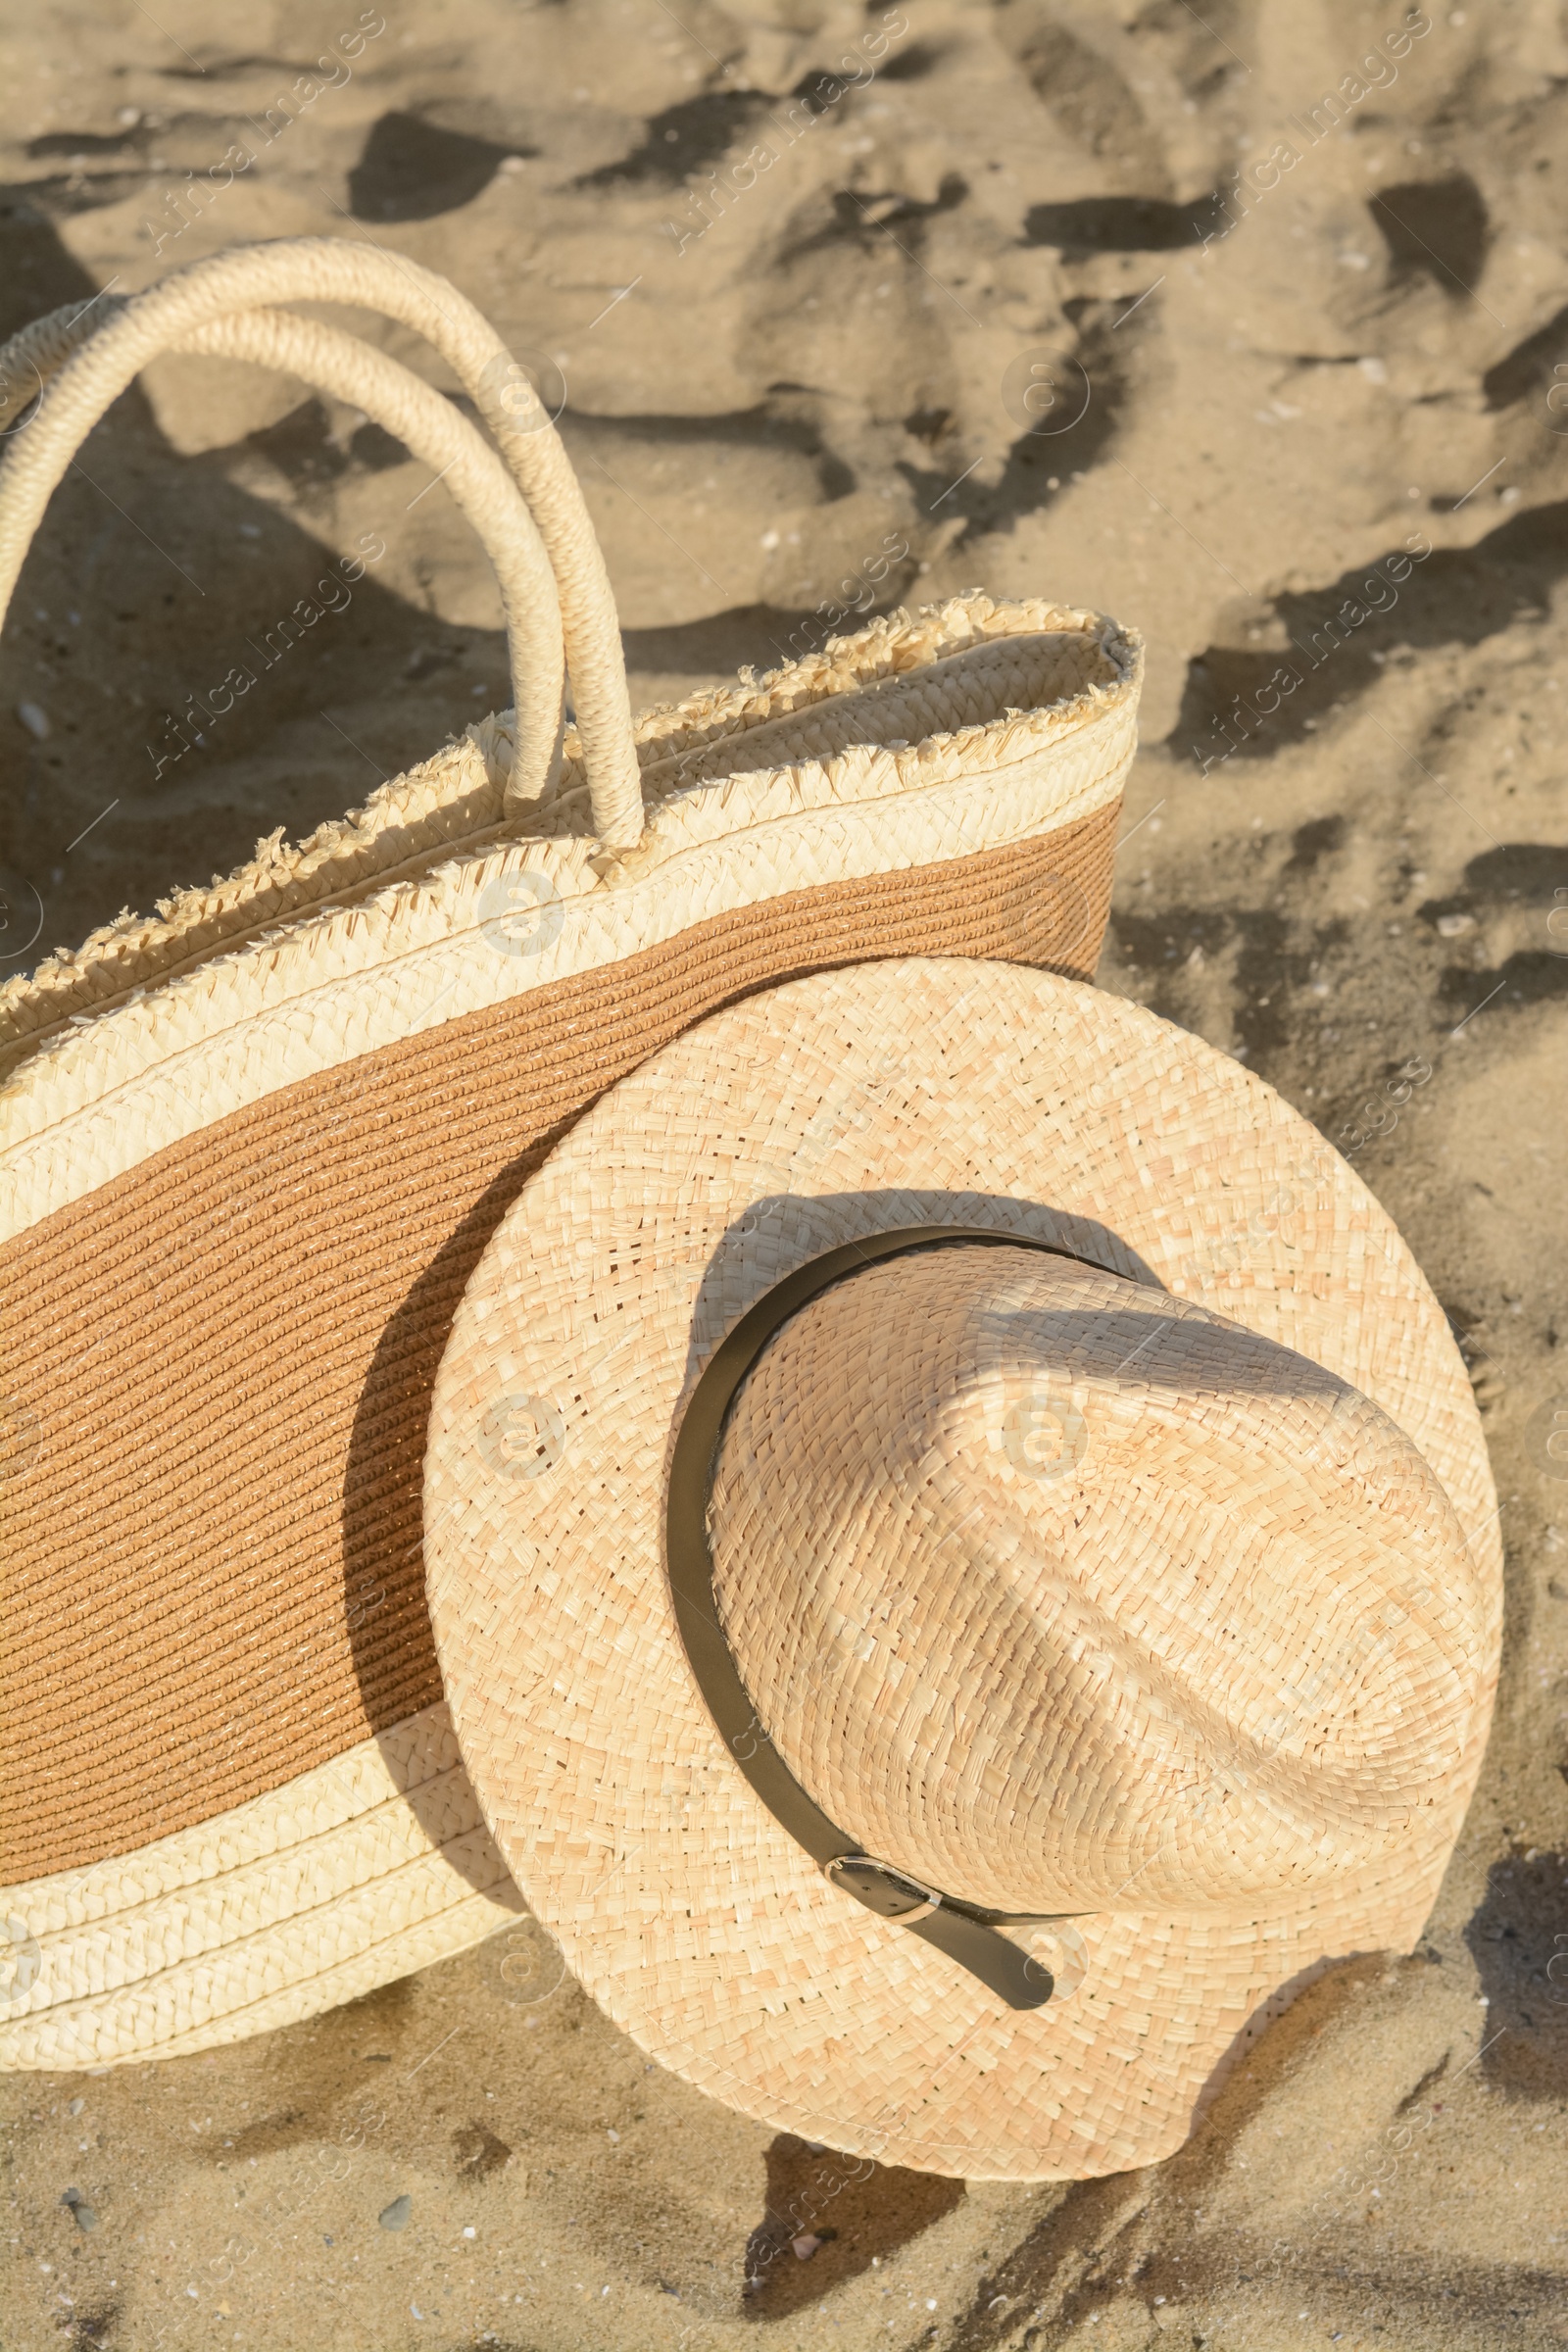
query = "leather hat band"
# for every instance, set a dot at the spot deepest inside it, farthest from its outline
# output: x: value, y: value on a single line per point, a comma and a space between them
x: 966, y: 1932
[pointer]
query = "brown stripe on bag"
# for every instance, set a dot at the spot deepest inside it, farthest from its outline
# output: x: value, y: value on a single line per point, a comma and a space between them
x: 219, y: 1364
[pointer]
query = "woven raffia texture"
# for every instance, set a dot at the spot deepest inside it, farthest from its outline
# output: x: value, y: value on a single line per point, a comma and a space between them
x: 309, y: 1895
x: 905, y: 1094
x: 1015, y: 1557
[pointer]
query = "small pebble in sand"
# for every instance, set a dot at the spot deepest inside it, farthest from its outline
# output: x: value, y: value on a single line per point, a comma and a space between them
x: 396, y: 2215
x: 81, y: 2212
x: 805, y: 2246
x: 36, y: 719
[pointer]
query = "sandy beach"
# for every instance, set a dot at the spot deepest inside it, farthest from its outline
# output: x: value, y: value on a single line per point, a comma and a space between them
x: 794, y: 273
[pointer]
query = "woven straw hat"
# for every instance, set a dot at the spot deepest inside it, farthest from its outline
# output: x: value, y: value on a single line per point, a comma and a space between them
x: 251, y: 1150
x: 964, y: 1563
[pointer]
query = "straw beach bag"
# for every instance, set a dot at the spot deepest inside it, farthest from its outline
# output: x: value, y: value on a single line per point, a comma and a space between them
x: 252, y: 1151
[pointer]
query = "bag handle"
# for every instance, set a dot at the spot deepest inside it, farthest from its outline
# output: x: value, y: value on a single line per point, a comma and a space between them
x: 336, y: 271
x: 355, y: 372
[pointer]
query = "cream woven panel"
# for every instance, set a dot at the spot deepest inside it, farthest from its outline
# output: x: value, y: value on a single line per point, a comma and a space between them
x: 99, y: 1095
x: 340, y: 1880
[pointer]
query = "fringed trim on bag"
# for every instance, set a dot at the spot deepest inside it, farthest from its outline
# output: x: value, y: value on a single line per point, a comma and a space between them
x: 407, y: 831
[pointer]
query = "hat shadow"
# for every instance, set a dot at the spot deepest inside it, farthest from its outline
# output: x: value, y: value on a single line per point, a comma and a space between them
x: 783, y: 1226
x: 827, y: 2217
x: 859, y: 2212
x: 1518, y: 1939
x: 386, y: 1614
x: 1172, y: 2232
x: 786, y: 1230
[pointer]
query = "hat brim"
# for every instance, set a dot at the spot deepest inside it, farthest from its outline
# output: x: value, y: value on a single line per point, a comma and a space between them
x: 905, y: 1092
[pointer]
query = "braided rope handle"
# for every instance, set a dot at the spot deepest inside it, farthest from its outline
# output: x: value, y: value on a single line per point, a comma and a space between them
x: 332, y: 270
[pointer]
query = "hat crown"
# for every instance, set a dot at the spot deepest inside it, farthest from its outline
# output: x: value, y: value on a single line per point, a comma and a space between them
x: 1065, y: 1594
